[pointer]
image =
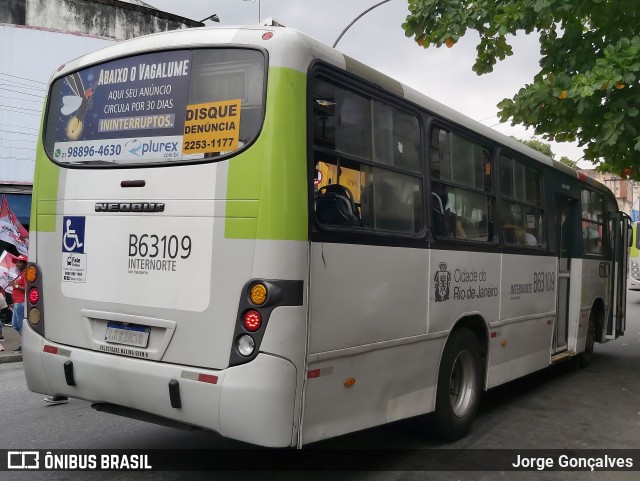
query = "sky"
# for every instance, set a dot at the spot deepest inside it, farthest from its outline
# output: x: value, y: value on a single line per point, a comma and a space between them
x: 378, y: 40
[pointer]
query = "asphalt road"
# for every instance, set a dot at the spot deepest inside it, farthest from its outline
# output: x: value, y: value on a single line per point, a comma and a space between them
x: 561, y: 407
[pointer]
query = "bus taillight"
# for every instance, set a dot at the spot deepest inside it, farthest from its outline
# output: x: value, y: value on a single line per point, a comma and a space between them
x: 35, y: 298
x: 252, y: 320
x: 258, y: 293
x: 31, y: 273
x: 34, y: 295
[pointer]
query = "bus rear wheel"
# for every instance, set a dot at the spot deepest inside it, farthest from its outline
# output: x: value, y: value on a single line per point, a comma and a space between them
x: 459, y: 385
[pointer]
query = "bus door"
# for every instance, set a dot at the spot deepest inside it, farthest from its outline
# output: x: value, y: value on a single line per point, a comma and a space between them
x: 564, y: 237
x: 621, y: 237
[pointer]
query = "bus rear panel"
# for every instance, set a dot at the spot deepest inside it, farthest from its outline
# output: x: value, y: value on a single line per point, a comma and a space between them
x: 147, y: 237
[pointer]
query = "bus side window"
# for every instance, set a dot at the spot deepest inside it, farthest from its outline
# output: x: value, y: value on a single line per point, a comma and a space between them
x: 373, y: 150
x: 462, y: 200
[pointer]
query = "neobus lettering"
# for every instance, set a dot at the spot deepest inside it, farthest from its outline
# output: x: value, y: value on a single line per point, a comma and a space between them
x: 212, y: 112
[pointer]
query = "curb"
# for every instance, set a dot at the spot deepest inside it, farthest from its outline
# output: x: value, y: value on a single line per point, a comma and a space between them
x: 12, y: 340
x: 11, y: 358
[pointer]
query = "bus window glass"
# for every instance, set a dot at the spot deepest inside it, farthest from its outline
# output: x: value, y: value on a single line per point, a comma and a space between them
x: 396, y: 138
x: 362, y: 166
x: 440, y: 155
x: 353, y: 124
x: 522, y: 225
x: 592, y: 222
x: 522, y: 213
x: 471, y: 212
x: 225, y: 75
x: 460, y: 161
x: 468, y: 164
x: 391, y: 201
x: 506, y: 176
x: 461, y: 170
x: 158, y: 107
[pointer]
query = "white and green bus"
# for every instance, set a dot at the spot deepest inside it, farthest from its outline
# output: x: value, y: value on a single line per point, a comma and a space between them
x: 244, y: 230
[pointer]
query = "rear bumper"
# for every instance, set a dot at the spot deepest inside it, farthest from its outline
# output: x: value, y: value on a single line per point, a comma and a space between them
x: 253, y: 402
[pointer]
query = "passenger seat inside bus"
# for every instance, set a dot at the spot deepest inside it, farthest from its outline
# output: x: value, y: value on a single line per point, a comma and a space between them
x: 335, y: 206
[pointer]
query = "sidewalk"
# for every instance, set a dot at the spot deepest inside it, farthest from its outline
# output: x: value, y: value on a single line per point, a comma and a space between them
x: 12, y: 341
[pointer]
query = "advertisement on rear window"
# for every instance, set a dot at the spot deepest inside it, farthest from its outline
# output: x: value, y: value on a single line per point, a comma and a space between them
x: 136, y: 110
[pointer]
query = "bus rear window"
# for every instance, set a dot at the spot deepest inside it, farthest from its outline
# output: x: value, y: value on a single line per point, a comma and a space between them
x: 159, y: 107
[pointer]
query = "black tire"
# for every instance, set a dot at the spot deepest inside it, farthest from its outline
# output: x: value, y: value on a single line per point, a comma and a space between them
x: 459, y: 385
x: 585, y: 357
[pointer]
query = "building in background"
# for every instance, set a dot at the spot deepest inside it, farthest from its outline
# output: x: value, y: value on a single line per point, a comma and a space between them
x: 627, y: 192
x: 36, y: 37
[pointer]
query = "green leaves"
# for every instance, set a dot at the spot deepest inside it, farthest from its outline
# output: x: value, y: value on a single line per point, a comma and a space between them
x: 588, y: 87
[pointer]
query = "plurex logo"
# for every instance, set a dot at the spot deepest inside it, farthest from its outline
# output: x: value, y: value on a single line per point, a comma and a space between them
x: 442, y: 282
x: 139, y: 149
x: 73, y: 234
x: 134, y: 147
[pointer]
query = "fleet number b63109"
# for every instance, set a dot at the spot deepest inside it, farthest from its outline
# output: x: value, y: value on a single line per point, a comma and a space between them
x: 152, y: 245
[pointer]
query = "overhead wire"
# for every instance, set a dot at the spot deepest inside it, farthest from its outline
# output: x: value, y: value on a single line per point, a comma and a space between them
x: 12, y: 139
x: 487, y: 118
x: 20, y: 108
x: 28, y: 88
x: 22, y: 133
x: 21, y: 99
x: 18, y: 148
x: 22, y: 111
x: 23, y: 78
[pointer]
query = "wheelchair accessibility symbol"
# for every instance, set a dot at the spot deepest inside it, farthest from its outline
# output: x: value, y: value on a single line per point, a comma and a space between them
x: 73, y: 234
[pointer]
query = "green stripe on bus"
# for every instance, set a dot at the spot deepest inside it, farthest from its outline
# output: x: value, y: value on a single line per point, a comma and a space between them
x: 242, y: 208
x: 243, y: 228
x: 274, y: 170
x: 45, y: 188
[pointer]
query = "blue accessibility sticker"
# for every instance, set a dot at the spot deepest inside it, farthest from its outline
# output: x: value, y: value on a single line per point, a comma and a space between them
x: 73, y: 234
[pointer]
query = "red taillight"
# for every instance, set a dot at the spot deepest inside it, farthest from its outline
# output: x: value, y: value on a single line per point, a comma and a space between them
x: 34, y: 295
x: 252, y: 320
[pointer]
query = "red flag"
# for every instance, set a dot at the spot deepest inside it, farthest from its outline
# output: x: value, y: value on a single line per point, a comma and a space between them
x: 11, y: 230
x: 8, y: 270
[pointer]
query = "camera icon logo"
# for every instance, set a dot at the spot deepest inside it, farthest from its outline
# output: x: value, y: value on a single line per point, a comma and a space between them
x: 23, y: 460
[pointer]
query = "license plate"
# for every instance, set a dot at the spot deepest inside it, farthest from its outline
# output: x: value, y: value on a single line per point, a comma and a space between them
x: 129, y: 334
